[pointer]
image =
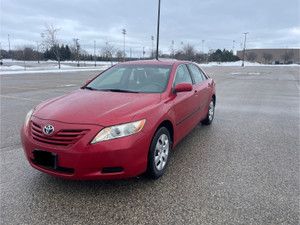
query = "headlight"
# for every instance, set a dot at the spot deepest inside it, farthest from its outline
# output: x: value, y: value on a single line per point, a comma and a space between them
x: 27, y: 118
x: 119, y: 131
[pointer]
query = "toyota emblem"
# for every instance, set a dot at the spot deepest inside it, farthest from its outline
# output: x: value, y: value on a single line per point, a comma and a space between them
x: 48, y: 129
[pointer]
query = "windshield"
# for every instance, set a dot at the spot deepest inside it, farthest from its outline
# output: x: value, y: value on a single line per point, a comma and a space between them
x: 133, y: 78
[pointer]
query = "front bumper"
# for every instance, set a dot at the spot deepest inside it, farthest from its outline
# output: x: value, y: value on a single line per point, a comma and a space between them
x: 80, y: 160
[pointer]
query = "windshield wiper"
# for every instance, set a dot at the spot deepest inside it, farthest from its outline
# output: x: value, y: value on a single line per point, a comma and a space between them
x: 119, y: 90
x: 89, y: 88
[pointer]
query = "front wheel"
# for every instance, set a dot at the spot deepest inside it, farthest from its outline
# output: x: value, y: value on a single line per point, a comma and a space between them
x: 159, y: 153
x: 210, y: 113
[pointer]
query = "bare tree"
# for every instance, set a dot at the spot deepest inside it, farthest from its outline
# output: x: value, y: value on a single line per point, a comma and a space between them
x: 51, y: 41
x: 77, y: 50
x: 267, y: 57
x: 251, y: 56
x: 108, y: 51
x: 288, y: 55
x: 119, y: 55
x: 189, y: 51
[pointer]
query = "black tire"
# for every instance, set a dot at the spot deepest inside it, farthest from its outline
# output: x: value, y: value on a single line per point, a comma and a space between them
x: 159, y: 153
x: 210, y: 113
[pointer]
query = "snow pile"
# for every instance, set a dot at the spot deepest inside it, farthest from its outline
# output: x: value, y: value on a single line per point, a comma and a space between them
x: 20, y: 67
x: 239, y: 63
x: 9, y: 68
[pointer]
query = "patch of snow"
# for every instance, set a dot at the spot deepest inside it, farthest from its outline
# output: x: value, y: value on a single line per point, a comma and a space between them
x: 67, y: 85
x: 239, y: 63
x: 240, y: 73
x: 54, y: 70
x: 12, y: 68
x: 253, y: 73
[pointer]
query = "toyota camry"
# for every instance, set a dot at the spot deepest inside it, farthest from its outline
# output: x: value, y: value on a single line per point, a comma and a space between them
x: 122, y: 123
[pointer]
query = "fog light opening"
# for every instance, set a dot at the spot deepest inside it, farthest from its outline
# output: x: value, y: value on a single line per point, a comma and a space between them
x: 112, y: 170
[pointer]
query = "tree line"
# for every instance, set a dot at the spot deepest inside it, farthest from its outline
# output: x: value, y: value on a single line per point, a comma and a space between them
x: 53, y: 50
x: 67, y: 54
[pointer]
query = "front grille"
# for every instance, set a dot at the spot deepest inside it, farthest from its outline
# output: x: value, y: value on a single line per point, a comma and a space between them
x: 64, y: 137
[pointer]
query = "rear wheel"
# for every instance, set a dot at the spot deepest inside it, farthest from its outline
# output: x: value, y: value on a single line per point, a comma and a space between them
x: 210, y: 113
x: 159, y: 153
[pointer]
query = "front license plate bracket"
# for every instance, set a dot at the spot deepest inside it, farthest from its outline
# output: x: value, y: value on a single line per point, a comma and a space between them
x: 45, y: 159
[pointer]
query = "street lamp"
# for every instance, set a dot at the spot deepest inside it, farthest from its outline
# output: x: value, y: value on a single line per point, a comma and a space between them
x: 124, y: 33
x: 203, y: 46
x: 244, y: 48
x: 152, y: 54
x: 37, y: 51
x: 173, y: 51
x: 9, y: 47
x: 1, y: 54
x: 77, y: 51
x: 143, y: 53
x: 8, y: 42
x: 95, y: 52
x: 157, y: 38
x: 233, y: 43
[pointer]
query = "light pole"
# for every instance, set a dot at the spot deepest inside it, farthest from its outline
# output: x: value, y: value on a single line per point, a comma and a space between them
x: 203, y: 46
x: 143, y: 53
x: 24, y: 53
x: 157, y: 37
x: 130, y: 53
x: 124, y: 33
x: 37, y: 51
x: 8, y: 42
x: 42, y: 45
x: 233, y: 43
x: 95, y: 52
x: 0, y: 54
x: 9, y: 46
x: 173, y: 51
x: 152, y: 54
x: 77, y: 51
x: 244, y: 48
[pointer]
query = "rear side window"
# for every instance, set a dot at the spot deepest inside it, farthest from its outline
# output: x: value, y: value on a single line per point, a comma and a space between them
x: 197, y: 74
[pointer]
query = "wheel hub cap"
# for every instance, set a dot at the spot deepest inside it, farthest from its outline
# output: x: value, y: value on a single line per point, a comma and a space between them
x: 161, y: 152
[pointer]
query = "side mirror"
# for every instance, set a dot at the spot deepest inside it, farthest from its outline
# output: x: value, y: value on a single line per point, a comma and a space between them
x: 183, y: 87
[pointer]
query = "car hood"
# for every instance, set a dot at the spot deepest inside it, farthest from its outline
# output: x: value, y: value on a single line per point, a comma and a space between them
x: 95, y: 107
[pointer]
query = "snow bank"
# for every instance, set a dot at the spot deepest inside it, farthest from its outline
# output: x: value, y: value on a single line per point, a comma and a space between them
x: 53, y: 71
x: 239, y: 63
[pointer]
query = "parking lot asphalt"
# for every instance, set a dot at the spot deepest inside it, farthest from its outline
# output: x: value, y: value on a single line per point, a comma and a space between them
x: 243, y: 169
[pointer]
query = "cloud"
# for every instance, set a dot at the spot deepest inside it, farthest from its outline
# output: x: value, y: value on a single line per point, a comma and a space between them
x: 271, y: 24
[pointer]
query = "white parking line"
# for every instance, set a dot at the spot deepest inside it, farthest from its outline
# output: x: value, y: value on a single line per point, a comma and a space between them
x: 26, y: 99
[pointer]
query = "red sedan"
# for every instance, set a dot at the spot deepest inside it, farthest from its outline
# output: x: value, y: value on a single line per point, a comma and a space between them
x: 122, y: 123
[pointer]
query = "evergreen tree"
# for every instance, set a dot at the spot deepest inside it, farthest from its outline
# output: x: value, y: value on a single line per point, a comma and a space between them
x: 223, y: 56
x: 68, y: 53
x: 62, y: 51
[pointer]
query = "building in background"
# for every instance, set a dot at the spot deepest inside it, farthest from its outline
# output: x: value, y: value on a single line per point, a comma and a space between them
x: 271, y: 56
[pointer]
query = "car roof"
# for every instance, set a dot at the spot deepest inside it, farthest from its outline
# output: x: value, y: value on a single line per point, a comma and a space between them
x: 164, y: 62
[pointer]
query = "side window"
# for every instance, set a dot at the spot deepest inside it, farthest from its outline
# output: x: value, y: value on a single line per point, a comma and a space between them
x: 203, y: 76
x: 182, y: 75
x: 196, y: 73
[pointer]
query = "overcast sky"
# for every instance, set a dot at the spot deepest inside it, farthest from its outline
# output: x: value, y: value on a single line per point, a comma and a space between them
x: 220, y: 23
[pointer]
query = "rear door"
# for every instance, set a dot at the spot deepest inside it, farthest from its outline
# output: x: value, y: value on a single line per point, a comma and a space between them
x: 202, y: 89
